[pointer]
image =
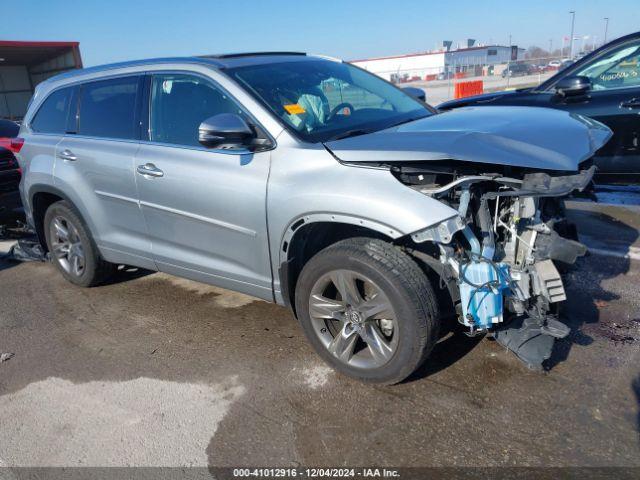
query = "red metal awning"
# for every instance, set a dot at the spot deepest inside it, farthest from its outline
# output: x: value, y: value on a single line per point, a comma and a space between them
x: 33, y: 53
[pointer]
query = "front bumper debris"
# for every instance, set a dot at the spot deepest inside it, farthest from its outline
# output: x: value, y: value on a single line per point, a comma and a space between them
x: 531, y: 339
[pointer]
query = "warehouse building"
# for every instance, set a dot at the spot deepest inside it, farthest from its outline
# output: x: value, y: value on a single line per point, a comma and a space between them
x: 470, y: 61
x: 25, y: 64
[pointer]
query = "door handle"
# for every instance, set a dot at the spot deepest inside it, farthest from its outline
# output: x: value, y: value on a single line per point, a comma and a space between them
x: 150, y: 170
x: 67, y: 154
x: 633, y: 103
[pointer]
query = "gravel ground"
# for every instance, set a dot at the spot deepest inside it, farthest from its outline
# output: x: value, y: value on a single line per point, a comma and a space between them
x: 153, y: 370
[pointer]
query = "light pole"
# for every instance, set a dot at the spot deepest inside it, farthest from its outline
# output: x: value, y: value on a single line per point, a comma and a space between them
x: 573, y: 21
x: 550, y: 47
x: 509, y: 64
x: 606, y: 28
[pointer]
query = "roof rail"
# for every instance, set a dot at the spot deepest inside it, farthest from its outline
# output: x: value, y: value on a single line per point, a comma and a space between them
x: 131, y: 63
x: 250, y: 54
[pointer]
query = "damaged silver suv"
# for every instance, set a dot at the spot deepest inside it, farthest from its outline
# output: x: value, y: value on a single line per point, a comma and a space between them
x: 311, y: 183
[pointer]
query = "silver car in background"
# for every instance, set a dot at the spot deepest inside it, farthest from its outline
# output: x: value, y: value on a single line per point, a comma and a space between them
x: 308, y: 182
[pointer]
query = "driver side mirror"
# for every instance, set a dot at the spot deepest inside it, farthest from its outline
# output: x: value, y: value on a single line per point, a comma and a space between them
x: 573, y: 86
x: 225, y: 130
x: 416, y: 93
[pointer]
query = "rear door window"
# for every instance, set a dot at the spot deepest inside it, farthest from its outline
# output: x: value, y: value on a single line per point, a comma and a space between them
x: 108, y: 108
x: 53, y: 114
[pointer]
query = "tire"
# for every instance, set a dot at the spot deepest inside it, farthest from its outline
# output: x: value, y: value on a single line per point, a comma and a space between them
x: 94, y: 268
x: 409, y: 327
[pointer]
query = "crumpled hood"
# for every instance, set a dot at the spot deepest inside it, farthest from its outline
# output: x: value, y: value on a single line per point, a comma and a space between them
x: 530, y: 137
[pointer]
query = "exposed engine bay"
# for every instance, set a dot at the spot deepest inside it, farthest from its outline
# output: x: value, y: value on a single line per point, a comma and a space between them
x: 500, y: 256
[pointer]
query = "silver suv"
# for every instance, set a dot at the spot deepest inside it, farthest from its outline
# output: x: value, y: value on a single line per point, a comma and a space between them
x: 308, y: 182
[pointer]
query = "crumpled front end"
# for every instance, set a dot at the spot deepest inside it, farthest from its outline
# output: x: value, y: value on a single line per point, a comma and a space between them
x: 502, y: 254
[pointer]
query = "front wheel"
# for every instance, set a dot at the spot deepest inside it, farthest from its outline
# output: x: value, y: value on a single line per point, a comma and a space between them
x: 368, y: 310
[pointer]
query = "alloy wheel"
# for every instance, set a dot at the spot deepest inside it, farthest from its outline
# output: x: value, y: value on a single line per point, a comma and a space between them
x: 354, y: 319
x: 66, y: 245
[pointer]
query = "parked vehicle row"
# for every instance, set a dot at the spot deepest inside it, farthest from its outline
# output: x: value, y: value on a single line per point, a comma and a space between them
x: 603, y: 85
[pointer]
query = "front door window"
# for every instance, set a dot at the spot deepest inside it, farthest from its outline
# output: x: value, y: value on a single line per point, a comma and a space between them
x: 180, y: 103
x: 619, y: 68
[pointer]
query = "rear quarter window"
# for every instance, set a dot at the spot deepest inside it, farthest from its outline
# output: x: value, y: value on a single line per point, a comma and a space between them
x: 52, y: 116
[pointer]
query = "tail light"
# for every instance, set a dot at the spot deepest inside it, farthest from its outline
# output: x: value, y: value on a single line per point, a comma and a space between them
x: 13, y: 144
x: 16, y: 144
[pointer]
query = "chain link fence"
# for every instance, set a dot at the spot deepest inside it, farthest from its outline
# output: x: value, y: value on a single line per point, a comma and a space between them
x: 439, y: 82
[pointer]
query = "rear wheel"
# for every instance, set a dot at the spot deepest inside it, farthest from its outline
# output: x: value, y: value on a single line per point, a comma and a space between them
x: 368, y: 310
x: 72, y: 249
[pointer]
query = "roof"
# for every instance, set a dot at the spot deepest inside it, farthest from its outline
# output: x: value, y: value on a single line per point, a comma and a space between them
x: 32, y: 53
x: 223, y: 61
x: 232, y: 60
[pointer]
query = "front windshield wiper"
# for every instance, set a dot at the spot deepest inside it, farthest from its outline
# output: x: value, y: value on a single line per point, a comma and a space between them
x: 349, y: 133
x: 408, y: 120
x: 361, y: 131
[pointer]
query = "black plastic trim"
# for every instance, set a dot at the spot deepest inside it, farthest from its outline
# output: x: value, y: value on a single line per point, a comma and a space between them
x: 252, y: 54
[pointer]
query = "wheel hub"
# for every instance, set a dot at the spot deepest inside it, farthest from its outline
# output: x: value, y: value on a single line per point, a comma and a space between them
x: 353, y: 316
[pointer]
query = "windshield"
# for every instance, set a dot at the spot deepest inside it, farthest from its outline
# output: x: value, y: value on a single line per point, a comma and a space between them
x: 323, y: 100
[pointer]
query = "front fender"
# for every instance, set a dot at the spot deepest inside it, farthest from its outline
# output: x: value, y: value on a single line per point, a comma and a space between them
x: 311, y: 185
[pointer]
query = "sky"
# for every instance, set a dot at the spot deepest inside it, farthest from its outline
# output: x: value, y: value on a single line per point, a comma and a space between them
x: 117, y: 30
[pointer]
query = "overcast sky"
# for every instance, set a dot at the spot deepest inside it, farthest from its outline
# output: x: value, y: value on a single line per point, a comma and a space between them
x: 115, y: 30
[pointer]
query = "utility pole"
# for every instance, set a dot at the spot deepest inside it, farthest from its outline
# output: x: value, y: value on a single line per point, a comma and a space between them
x: 550, y: 47
x: 573, y: 21
x: 606, y: 28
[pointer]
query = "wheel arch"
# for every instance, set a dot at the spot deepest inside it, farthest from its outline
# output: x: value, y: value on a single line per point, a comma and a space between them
x: 338, y: 219
x: 308, y: 234
x: 41, y: 197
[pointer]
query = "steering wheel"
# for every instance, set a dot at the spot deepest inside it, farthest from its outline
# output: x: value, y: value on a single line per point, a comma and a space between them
x: 338, y: 108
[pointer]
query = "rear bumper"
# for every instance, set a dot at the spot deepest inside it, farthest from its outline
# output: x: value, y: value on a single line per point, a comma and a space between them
x: 11, y: 206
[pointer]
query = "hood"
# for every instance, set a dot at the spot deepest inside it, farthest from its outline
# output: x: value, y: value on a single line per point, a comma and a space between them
x: 529, y: 137
x: 484, y: 98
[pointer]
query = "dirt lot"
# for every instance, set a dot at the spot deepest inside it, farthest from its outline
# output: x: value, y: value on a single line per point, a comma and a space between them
x: 154, y: 370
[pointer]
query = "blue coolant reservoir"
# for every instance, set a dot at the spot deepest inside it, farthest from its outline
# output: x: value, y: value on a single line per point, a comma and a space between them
x: 482, y: 307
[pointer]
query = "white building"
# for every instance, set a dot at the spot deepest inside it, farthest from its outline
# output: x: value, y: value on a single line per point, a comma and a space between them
x: 429, y: 65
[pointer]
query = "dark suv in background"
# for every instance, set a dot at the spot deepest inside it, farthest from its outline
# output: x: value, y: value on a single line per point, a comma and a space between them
x: 517, y: 70
x: 604, y: 85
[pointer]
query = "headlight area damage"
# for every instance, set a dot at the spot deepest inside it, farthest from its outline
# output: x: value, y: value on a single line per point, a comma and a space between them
x: 498, y: 256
